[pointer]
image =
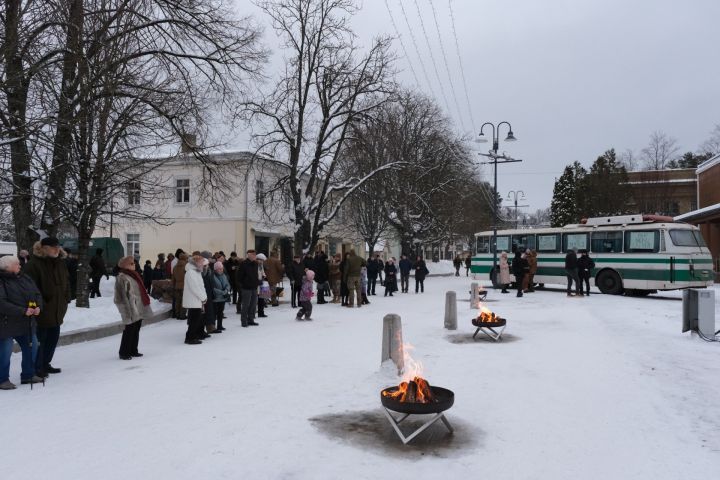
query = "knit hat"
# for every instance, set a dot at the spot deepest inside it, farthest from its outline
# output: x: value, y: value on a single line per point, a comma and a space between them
x: 218, y: 266
x: 310, y: 275
x: 49, y: 242
x: 261, y: 257
x: 205, y: 254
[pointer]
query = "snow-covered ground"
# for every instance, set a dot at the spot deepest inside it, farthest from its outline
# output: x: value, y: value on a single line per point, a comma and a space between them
x: 102, y: 310
x: 582, y: 388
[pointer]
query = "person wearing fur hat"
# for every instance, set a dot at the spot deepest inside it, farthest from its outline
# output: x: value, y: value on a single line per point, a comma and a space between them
x: 47, y: 269
x: 306, y: 294
x: 194, y: 299
x: 133, y: 303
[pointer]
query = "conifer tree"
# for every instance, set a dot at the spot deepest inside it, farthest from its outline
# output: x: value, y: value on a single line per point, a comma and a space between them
x: 564, y: 207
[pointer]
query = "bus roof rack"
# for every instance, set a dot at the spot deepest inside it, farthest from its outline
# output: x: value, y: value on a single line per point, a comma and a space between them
x: 617, y: 220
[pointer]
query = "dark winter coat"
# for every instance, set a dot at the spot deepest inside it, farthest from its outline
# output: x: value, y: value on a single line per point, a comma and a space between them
x: 571, y: 261
x: 353, y: 266
x: 231, y: 270
x: 520, y: 266
x: 372, y: 269
x: 405, y: 266
x: 97, y: 266
x: 421, y: 270
x: 247, y: 275
x: 147, y: 276
x: 16, y: 292
x: 51, y: 278
x: 209, y: 283
x: 585, y: 265
x: 321, y: 269
x: 308, y: 262
x: 297, y: 272
x: 468, y: 262
x: 390, y: 277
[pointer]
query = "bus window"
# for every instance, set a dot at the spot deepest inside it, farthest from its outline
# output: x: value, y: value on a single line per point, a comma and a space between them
x: 686, y: 238
x: 483, y: 245
x: 523, y: 241
x: 576, y: 241
x: 607, y: 242
x: 549, y: 243
x: 642, y: 241
x: 503, y: 243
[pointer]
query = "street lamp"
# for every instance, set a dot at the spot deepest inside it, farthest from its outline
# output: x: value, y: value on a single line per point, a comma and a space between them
x: 504, y: 159
x: 516, y: 195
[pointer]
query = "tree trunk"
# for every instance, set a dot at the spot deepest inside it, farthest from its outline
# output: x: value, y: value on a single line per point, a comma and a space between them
x: 83, y: 273
x: 63, y: 134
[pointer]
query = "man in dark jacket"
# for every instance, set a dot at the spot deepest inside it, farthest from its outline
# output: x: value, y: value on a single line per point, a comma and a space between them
x: 353, y: 267
x: 405, y: 266
x: 468, y: 264
x: 372, y: 274
x: 585, y: 264
x: 47, y: 269
x: 72, y: 266
x: 295, y: 274
x: 421, y: 272
x: 97, y: 270
x: 571, y: 271
x: 322, y: 275
x: 248, y: 281
x: 231, y: 266
x: 520, y: 268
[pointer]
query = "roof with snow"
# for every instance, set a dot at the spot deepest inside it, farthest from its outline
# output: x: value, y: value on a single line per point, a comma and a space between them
x: 706, y: 213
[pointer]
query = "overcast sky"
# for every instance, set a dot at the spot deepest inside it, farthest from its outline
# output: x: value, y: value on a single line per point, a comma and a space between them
x: 573, y: 77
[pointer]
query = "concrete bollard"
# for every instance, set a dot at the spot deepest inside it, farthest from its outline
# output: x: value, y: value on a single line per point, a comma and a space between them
x: 392, y: 341
x: 474, y: 297
x: 451, y: 310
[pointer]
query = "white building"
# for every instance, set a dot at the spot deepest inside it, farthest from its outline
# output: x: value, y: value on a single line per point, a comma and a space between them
x: 183, y: 217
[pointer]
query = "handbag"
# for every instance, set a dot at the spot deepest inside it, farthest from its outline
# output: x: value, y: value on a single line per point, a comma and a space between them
x: 265, y: 291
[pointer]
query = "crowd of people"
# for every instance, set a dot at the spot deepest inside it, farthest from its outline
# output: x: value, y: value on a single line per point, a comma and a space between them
x: 35, y: 290
x: 525, y: 264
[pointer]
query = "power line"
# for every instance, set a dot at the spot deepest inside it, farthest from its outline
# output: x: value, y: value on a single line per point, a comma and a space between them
x: 447, y: 67
x: 462, y: 70
x: 402, y: 44
x: 432, y: 57
x: 417, y: 50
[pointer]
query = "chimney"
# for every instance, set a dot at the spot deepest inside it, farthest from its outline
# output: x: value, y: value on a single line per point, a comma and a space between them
x: 188, y: 142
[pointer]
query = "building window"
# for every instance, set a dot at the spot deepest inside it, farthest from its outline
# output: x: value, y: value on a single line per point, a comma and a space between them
x: 288, y: 203
x: 182, y: 190
x: 134, y: 193
x: 132, y: 244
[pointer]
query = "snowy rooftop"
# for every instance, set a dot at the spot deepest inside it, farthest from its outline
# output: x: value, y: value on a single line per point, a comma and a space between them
x: 582, y: 388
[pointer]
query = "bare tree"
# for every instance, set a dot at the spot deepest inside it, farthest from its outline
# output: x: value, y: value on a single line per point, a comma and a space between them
x: 303, y: 123
x: 661, y: 150
x: 629, y: 160
x: 712, y: 144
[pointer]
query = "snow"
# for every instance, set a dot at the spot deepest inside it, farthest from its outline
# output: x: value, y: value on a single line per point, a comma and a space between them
x: 594, y: 388
x: 102, y: 310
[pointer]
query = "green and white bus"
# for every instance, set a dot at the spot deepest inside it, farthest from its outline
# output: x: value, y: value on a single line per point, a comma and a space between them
x: 637, y: 254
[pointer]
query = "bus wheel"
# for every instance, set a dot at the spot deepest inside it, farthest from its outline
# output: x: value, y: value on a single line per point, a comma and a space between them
x: 609, y: 282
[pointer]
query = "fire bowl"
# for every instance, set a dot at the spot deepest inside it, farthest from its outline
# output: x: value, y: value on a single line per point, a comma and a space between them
x: 442, y: 400
x: 497, y: 322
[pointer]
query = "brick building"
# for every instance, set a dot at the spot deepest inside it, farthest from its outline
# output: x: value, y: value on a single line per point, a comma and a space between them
x: 663, y: 192
x: 707, y: 215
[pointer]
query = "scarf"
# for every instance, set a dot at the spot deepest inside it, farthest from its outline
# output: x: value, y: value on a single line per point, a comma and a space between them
x: 141, y: 285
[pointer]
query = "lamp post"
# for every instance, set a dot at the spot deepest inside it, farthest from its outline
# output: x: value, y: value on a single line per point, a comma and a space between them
x: 516, y: 194
x: 504, y: 159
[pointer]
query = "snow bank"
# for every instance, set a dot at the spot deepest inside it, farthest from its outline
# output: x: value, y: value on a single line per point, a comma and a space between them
x: 102, y: 310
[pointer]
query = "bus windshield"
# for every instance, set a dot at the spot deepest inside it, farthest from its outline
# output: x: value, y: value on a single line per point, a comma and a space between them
x: 687, y: 238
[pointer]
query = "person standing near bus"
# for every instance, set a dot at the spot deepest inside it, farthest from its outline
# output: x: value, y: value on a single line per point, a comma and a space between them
x: 585, y: 265
x: 504, y: 272
x: 532, y: 261
x: 520, y: 268
x: 571, y: 271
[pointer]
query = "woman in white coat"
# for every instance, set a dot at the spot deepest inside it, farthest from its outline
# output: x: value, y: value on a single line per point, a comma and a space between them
x: 504, y: 272
x: 194, y: 298
x: 133, y: 302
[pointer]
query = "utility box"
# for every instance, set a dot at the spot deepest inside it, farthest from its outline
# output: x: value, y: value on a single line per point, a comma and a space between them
x: 699, y: 311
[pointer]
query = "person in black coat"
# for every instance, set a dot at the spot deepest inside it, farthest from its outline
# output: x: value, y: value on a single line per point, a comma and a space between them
x: 148, y: 275
x: 322, y: 275
x: 571, y: 271
x: 520, y: 268
x: 248, y: 281
x: 20, y: 304
x: 405, y: 266
x: 295, y: 272
x: 390, y: 278
x: 585, y: 265
x: 72, y: 265
x: 208, y: 276
x: 421, y: 272
x: 344, y: 290
x: 97, y: 270
x: 372, y: 274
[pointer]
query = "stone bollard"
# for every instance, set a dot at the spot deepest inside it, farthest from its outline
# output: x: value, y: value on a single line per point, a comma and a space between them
x: 451, y: 310
x: 392, y: 341
x: 474, y: 297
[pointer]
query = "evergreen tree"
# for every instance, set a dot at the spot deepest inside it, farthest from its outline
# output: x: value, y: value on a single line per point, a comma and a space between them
x: 604, y: 190
x: 564, y: 208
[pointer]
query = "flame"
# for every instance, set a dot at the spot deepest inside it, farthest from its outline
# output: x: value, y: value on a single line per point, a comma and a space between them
x: 413, y: 387
x: 485, y: 314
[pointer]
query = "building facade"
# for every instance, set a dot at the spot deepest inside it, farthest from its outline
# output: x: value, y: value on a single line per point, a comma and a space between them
x: 663, y: 192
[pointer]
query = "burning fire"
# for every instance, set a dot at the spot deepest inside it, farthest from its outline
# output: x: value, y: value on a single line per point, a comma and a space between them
x: 485, y: 315
x: 413, y: 388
